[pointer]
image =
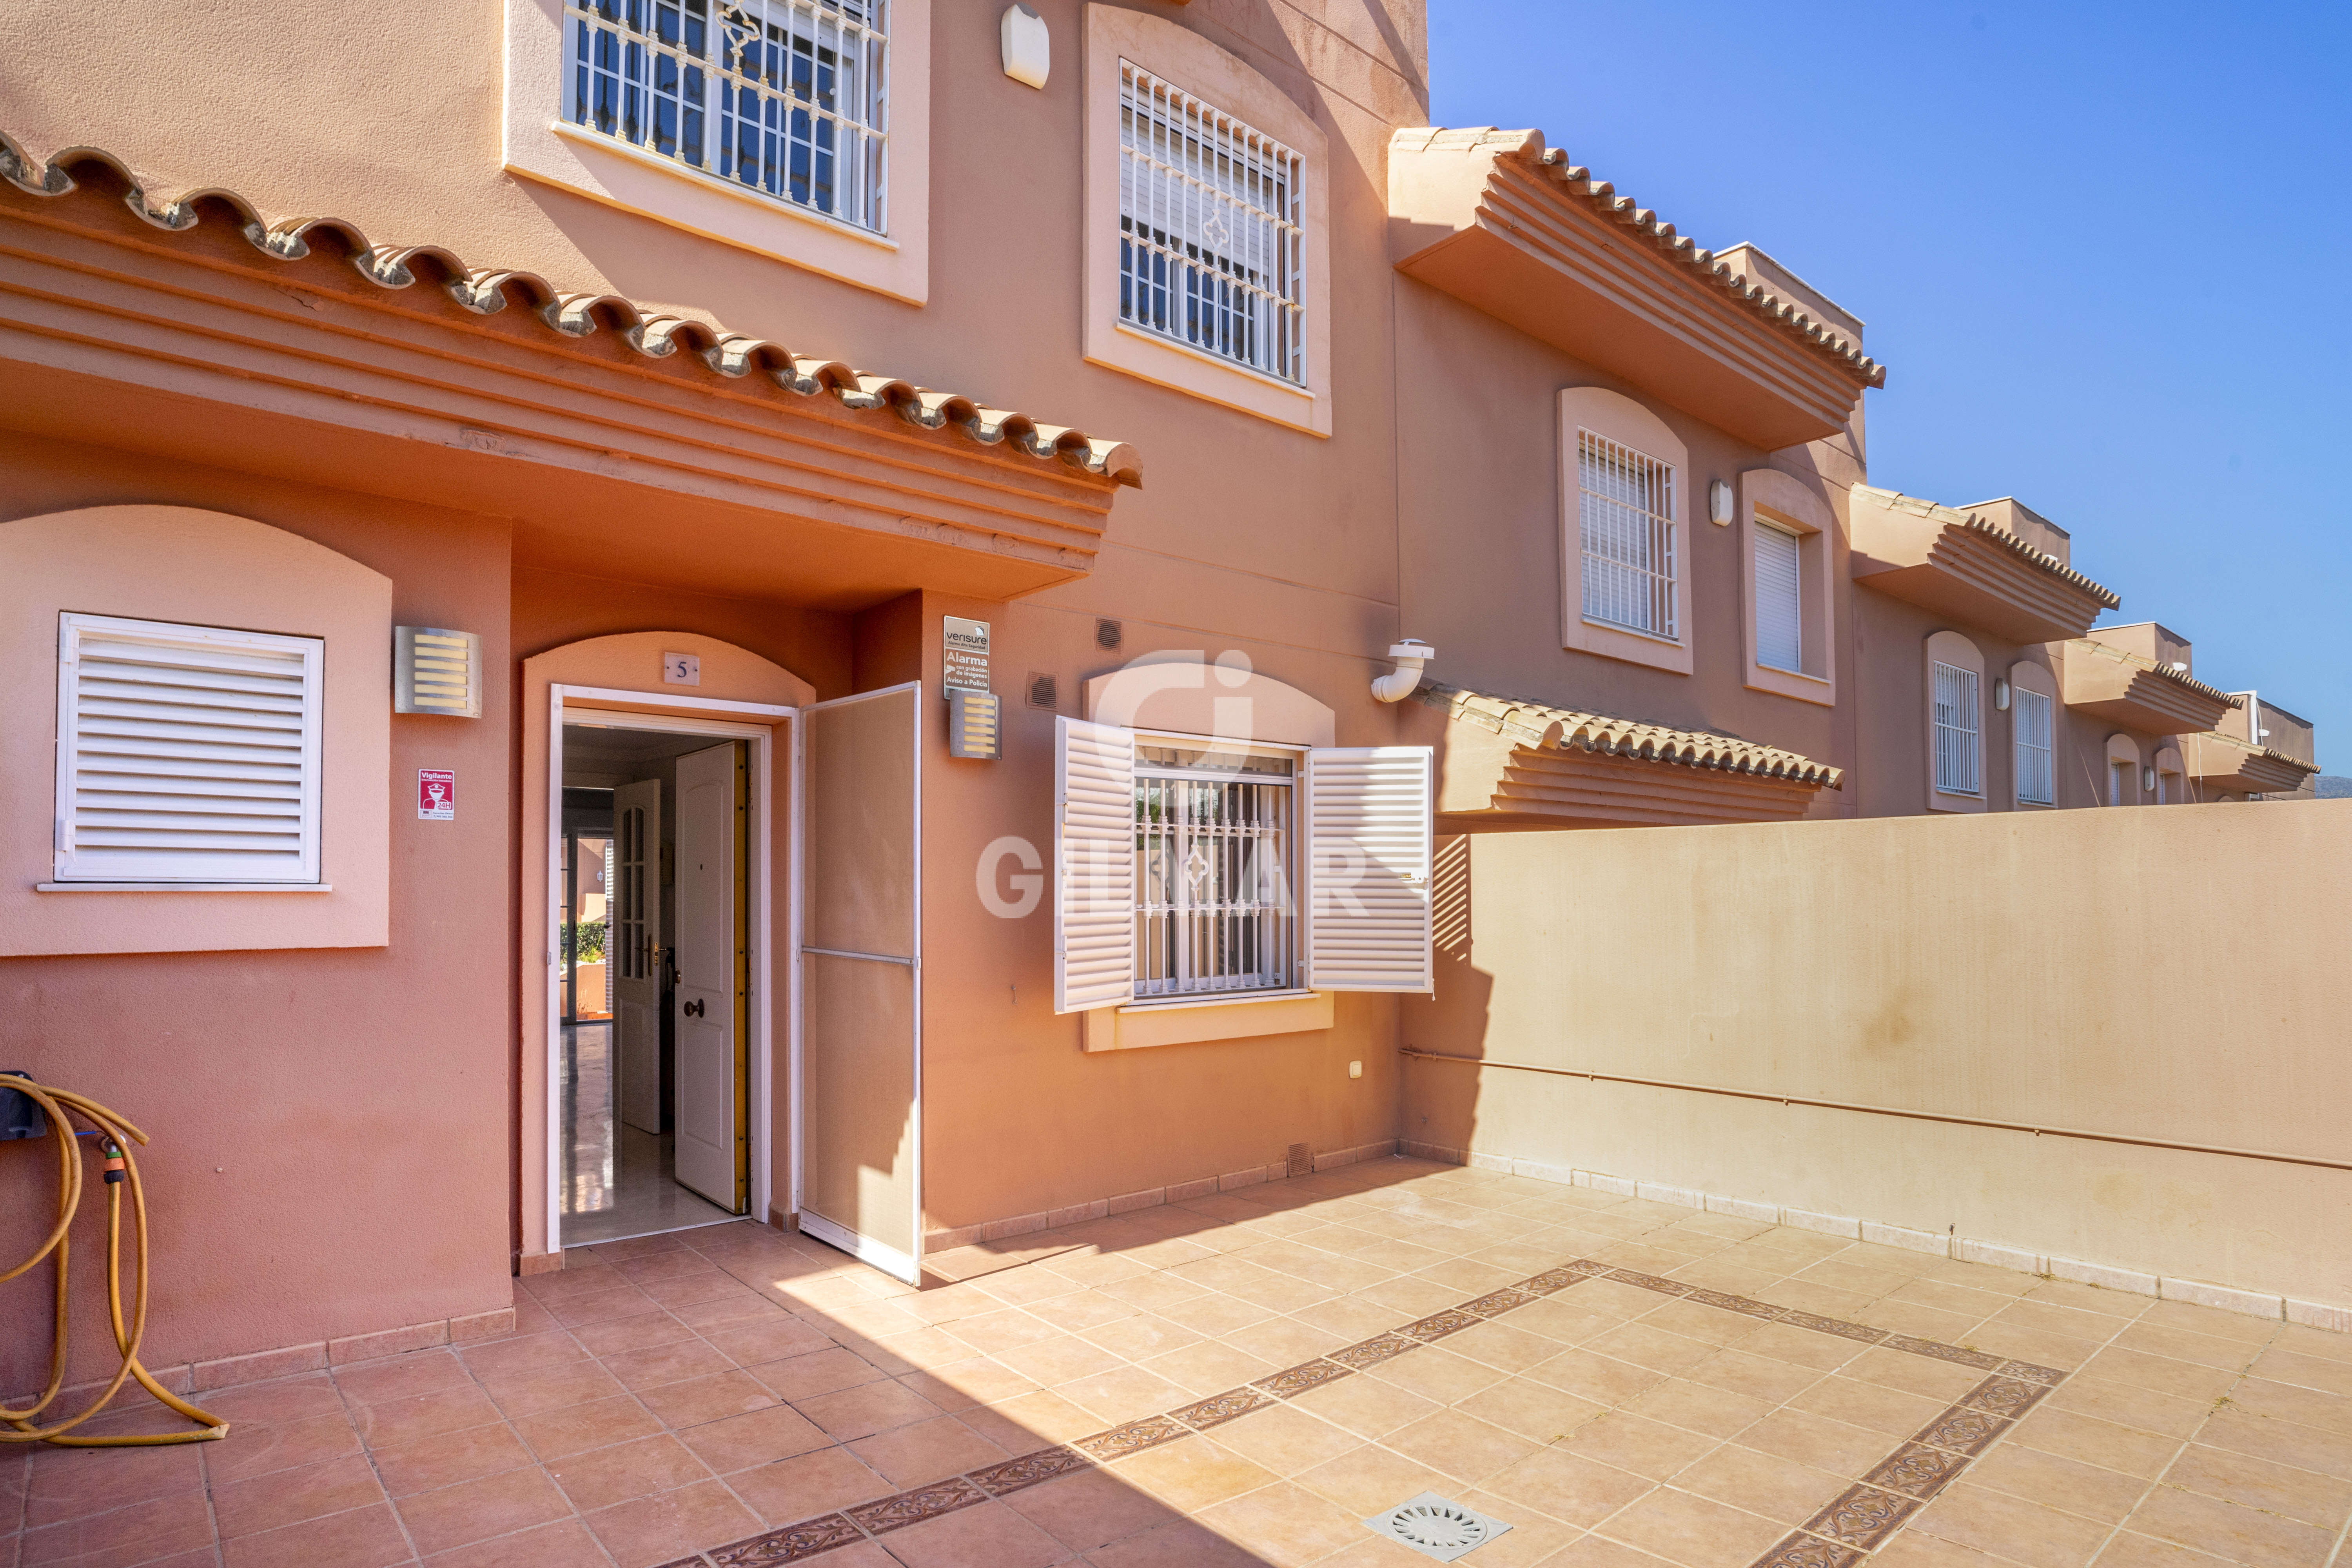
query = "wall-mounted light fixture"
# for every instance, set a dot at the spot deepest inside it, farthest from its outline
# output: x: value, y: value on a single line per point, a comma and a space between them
x: 973, y: 727
x: 2148, y: 778
x: 1028, y: 48
x: 2000, y: 694
x: 435, y: 670
x: 1718, y: 503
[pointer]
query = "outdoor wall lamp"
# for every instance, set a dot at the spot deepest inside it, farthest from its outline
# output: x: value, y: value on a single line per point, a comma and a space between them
x: 2000, y: 694
x: 1718, y: 503
x: 2148, y: 778
x: 1028, y: 46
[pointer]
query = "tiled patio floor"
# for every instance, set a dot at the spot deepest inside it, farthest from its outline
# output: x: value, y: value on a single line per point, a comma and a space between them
x: 686, y: 1395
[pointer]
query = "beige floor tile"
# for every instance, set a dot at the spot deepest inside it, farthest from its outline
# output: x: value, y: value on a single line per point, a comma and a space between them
x: 1123, y: 1393
x: 1827, y: 1300
x: 810, y: 1484
x: 2048, y: 1317
x: 1590, y: 1375
x: 1599, y: 1552
x: 1534, y: 1410
x: 1284, y: 1525
x: 1655, y: 1349
x: 2129, y: 1549
x: 1352, y: 1318
x: 1764, y: 1484
x: 1210, y: 1312
x: 974, y: 1380
x: 1759, y: 1377
x: 2054, y: 1481
x: 2285, y: 1402
x: 2030, y: 1344
x: 1695, y: 1320
x: 1691, y: 1531
x: 2284, y: 1442
x: 1002, y: 1330
x: 1192, y: 1474
x: 2164, y: 1414
x: 1081, y: 1311
x: 1898, y: 1316
x: 2011, y: 1527
x: 2279, y: 1364
x: 2210, y: 1320
x: 1892, y: 1411
x: 2125, y: 1449
x: 1910, y: 1548
x: 1716, y: 1411
x: 2227, y: 1531
x: 926, y: 1452
x: 1437, y: 1373
x: 1460, y: 1445
x: 1960, y: 1300
x: 1283, y: 1342
x: 2304, y: 1339
x: 1061, y: 1359
x: 2163, y: 1374
x: 1371, y: 1479
x: 1645, y: 1448
x: 1825, y: 1445
x: 1366, y: 1406
x: 1562, y: 1319
x: 1801, y: 1347
x: 1942, y: 1381
x: 1208, y: 1367
x: 1091, y: 1508
x: 2264, y: 1484
x: 1028, y: 1422
x: 817, y: 1371
x: 1286, y: 1439
x: 1417, y: 1296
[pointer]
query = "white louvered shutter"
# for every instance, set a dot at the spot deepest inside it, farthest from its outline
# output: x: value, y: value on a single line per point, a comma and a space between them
x: 1780, y: 600
x: 1094, y: 865
x: 186, y: 754
x: 1366, y: 850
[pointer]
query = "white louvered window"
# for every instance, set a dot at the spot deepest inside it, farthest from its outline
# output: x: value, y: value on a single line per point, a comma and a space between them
x: 1210, y: 229
x: 1625, y: 512
x: 1212, y: 835
x: 2036, y: 777
x: 1780, y: 599
x: 784, y: 97
x: 1957, y: 767
x: 186, y: 754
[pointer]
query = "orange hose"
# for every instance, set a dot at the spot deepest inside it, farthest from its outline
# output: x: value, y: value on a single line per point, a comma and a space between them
x: 116, y: 1134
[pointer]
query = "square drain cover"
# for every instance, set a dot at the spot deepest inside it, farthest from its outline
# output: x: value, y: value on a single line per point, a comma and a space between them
x: 1436, y: 1527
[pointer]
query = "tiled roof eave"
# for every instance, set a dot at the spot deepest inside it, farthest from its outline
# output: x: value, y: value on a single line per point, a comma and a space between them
x: 2149, y: 667
x: 1540, y: 725
x: 1693, y: 262
x: 1970, y: 523
x: 656, y: 335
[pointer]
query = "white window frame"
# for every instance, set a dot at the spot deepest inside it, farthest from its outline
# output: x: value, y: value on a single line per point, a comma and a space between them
x: 1119, y: 43
x: 225, y: 871
x: 1957, y: 748
x: 2035, y: 760
x: 1179, y: 988
x: 1594, y: 413
x: 542, y: 143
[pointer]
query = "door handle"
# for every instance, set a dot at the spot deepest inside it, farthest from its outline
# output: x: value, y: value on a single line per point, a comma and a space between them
x: 693, y: 1009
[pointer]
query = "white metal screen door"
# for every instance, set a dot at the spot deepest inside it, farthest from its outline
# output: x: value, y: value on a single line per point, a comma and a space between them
x: 633, y: 948
x: 861, y: 977
x: 710, y: 1000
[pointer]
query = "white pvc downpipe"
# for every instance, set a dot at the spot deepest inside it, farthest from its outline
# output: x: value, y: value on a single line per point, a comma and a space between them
x: 1400, y: 683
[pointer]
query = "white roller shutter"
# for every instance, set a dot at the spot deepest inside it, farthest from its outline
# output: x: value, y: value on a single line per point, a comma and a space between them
x: 186, y: 754
x: 1094, y: 865
x: 1366, y: 914
x: 1780, y: 599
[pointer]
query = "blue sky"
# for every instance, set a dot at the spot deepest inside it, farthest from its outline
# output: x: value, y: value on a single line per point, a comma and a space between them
x: 2106, y: 253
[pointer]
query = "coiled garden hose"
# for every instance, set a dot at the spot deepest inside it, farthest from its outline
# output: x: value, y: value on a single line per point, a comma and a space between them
x: 115, y: 1137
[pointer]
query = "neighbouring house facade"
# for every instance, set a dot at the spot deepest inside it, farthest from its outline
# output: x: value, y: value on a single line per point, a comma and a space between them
x: 894, y: 525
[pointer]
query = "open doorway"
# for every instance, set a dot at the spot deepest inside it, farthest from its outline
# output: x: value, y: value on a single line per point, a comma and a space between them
x: 656, y: 917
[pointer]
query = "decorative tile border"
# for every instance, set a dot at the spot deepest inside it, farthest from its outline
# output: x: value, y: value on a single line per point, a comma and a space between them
x: 1864, y: 1515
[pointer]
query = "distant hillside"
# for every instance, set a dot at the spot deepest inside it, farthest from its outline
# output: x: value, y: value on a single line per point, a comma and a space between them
x: 2334, y: 786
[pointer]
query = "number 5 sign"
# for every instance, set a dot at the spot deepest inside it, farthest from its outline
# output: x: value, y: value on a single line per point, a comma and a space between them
x: 436, y: 794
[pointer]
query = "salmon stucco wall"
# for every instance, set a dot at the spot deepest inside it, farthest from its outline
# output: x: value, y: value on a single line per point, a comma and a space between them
x: 305, y: 1105
x: 2004, y: 967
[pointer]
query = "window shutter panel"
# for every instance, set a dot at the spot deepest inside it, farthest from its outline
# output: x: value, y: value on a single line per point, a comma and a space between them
x: 185, y: 753
x: 1780, y: 600
x: 1366, y: 914
x: 1094, y: 865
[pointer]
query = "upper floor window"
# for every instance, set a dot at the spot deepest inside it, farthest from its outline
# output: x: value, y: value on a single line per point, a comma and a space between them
x: 786, y: 98
x: 1211, y: 229
x: 1958, y: 769
x: 1779, y: 598
x: 2036, y: 777
x: 1626, y: 510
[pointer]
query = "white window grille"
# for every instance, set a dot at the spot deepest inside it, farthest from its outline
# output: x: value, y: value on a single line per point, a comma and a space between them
x: 787, y: 97
x: 1210, y: 232
x: 1956, y: 770
x: 2036, y: 777
x: 1626, y: 513
x: 186, y: 754
x: 1780, y: 599
x: 1213, y: 911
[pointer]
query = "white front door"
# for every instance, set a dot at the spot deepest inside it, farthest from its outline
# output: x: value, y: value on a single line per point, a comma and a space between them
x: 710, y: 975
x: 633, y: 949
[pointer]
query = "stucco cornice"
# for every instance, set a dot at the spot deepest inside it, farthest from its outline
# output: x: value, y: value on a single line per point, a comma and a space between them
x: 652, y: 333
x: 1543, y: 726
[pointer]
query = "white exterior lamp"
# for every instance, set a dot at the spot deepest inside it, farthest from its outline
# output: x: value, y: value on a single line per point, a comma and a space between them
x: 1028, y: 46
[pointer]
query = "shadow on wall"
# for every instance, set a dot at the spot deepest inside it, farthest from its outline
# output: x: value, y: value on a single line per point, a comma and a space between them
x: 1439, y: 1107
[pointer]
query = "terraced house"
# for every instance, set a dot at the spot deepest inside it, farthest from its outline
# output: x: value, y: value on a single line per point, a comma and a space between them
x: 686, y: 683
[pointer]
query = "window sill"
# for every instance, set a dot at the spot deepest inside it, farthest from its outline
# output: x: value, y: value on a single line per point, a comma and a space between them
x: 1609, y: 640
x: 1179, y: 367
x: 1796, y: 684
x: 615, y: 147
x: 1220, y: 999
x: 183, y: 887
x: 1195, y: 1022
x: 1948, y: 800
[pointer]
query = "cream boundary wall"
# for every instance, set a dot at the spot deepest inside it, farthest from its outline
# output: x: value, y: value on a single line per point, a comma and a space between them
x: 1614, y: 417
x: 1184, y: 59
x: 632, y: 662
x: 539, y: 144
x: 201, y: 568
x: 1641, y: 954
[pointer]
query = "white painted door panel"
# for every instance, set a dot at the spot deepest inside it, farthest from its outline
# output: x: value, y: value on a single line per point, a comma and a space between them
x: 632, y: 945
x: 703, y: 1003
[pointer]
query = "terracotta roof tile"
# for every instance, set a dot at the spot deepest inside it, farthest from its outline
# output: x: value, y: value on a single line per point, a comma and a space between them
x: 1541, y: 724
x: 657, y: 334
x: 1527, y: 148
x: 2107, y: 596
x: 2214, y: 693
